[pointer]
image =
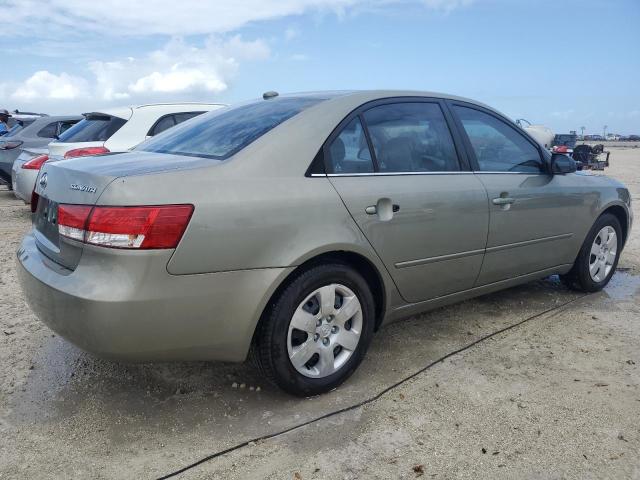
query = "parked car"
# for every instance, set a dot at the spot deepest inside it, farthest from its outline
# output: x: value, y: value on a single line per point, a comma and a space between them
x: 25, y: 171
x: 292, y: 228
x: 35, y: 135
x: 118, y: 130
x: 114, y: 130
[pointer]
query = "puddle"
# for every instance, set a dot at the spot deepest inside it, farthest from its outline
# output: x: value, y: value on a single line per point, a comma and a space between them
x: 623, y: 285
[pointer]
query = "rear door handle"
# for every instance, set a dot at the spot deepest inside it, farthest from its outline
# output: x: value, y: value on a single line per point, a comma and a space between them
x: 503, y: 201
x: 383, y: 208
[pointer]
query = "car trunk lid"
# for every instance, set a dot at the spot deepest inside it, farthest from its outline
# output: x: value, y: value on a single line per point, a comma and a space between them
x: 82, y: 181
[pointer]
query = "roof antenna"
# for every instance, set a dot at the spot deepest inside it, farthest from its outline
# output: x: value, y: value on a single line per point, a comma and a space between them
x: 269, y: 94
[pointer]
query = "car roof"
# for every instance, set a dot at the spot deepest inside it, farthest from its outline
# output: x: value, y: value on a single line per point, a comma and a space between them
x: 371, y: 95
x: 183, y: 104
x: 39, y: 122
x: 338, y: 98
x: 127, y: 112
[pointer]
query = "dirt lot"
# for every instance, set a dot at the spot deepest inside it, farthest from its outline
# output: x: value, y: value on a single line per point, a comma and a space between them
x: 557, y: 396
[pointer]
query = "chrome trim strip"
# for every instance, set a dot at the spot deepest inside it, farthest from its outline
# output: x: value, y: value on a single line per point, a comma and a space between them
x: 528, y: 242
x: 393, y: 174
x: 452, y: 256
x: 480, y: 172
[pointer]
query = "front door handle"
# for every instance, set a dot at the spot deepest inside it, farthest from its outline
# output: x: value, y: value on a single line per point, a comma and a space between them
x: 503, y: 201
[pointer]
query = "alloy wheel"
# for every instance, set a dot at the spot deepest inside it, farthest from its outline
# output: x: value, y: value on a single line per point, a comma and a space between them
x: 603, y: 253
x: 324, y: 331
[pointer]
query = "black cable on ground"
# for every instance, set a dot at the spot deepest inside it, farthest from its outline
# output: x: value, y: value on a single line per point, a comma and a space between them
x: 370, y: 399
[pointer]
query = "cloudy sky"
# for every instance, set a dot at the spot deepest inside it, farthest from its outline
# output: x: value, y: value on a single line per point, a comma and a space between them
x: 564, y: 63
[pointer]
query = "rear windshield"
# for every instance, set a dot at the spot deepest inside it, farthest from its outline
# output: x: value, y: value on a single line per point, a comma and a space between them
x: 94, y: 128
x: 222, y: 133
x: 13, y: 130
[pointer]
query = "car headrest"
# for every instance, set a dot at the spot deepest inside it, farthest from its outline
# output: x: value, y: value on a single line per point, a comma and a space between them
x: 337, y: 151
x: 396, y: 155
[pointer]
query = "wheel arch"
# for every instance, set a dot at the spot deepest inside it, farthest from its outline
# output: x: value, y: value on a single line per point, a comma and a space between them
x: 369, y: 271
x: 620, y: 213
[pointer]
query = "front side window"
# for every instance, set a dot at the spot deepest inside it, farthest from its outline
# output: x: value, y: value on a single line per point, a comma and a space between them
x: 411, y: 137
x: 224, y: 132
x: 497, y: 146
x: 93, y: 128
x: 349, y: 152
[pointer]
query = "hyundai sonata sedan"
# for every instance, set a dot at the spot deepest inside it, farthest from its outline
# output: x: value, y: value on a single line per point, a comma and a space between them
x: 291, y: 228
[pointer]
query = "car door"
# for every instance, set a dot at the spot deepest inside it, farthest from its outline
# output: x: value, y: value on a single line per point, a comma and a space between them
x: 397, y: 169
x: 532, y: 218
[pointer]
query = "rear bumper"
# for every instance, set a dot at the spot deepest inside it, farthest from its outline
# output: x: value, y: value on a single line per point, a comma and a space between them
x: 130, y: 308
x: 6, y: 162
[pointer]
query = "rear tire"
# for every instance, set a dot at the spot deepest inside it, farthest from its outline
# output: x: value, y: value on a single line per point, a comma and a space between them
x: 598, y: 257
x: 316, y: 332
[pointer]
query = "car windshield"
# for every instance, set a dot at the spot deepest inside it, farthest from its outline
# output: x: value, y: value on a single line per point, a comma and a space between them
x: 93, y: 128
x: 222, y: 133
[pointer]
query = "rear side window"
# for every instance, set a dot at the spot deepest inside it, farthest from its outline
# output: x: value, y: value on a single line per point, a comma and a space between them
x: 497, y: 146
x: 48, y: 131
x: 349, y: 152
x: 411, y: 137
x: 222, y: 133
x: 64, y: 126
x: 93, y: 128
x: 183, y: 117
x: 163, y: 124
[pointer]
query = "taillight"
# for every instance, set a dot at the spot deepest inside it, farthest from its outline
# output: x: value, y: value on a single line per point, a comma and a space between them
x: 35, y: 163
x: 34, y: 201
x: 72, y: 220
x: 147, y: 227
x: 85, y: 152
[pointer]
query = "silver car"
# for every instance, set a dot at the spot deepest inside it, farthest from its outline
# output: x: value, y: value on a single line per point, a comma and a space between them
x: 35, y: 135
x: 25, y: 171
x: 290, y: 229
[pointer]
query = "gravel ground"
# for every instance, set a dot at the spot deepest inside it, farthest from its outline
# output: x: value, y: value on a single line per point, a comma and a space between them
x: 557, y: 396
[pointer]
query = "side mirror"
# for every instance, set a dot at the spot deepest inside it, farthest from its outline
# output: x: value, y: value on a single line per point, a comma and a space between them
x: 561, y: 164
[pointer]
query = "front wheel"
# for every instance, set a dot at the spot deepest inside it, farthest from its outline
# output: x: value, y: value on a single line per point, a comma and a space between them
x: 317, y: 331
x: 598, y: 256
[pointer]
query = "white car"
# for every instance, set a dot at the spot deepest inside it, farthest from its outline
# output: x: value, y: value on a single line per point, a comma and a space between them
x: 119, y: 129
x: 112, y: 130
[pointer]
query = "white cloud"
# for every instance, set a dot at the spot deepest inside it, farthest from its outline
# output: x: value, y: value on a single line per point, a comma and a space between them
x: 291, y: 33
x: 447, y: 5
x: 299, y: 57
x: 165, y: 17
x: 46, y: 85
x: 178, y: 68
